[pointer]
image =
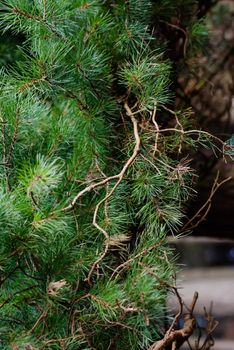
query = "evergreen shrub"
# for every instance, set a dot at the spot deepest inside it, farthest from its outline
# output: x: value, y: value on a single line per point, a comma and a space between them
x: 94, y: 172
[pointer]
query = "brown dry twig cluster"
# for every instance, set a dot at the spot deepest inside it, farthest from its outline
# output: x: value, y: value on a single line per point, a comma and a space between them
x: 204, y: 335
x: 203, y: 211
x: 175, y: 337
x: 105, y: 180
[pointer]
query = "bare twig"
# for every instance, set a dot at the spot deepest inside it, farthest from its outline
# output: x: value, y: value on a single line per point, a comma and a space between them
x: 209, y: 329
x: 173, y: 288
x: 206, y: 206
x: 44, y: 10
x: 11, y: 148
x: 35, y: 18
x: 182, y: 31
x: 131, y: 260
x: 180, y: 312
x: 86, y: 337
x: 5, y: 160
x: 32, y: 83
x: 157, y: 130
x: 174, y: 337
x: 43, y: 315
x: 119, y: 178
x: 151, y: 163
x: 96, y: 263
x: 58, y: 340
x: 31, y: 194
x: 2, y: 280
x: 8, y: 300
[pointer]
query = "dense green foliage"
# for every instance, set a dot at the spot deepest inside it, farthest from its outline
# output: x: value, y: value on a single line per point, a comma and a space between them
x: 91, y: 183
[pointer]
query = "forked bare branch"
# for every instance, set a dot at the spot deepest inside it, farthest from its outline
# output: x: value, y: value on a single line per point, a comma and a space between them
x: 119, y: 178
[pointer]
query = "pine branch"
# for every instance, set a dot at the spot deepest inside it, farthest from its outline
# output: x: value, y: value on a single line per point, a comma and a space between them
x: 126, y: 264
x: 8, y: 300
x: 117, y: 177
x: 39, y: 19
x: 74, y: 111
x: 109, y: 194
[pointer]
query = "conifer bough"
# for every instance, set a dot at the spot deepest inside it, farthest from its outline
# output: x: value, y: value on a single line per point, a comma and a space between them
x: 91, y: 181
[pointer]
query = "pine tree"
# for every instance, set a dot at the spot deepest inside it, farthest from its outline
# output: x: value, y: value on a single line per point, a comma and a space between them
x: 94, y: 173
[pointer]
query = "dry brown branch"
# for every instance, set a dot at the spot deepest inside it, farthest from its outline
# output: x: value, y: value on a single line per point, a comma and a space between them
x: 182, y: 133
x: 173, y: 288
x: 165, y: 164
x: 26, y: 14
x: 44, y: 10
x: 223, y: 146
x: 157, y: 130
x: 177, y: 123
x: 86, y: 337
x: 8, y: 300
x: 32, y: 83
x: 5, y: 160
x: 42, y: 221
x: 185, y: 44
x: 131, y: 260
x: 175, y: 338
x: 11, y: 148
x: 119, y: 178
x: 96, y: 263
x: 43, y: 315
x: 57, y: 340
x: 128, y: 309
x: 31, y: 195
x: 180, y: 312
x: 89, y: 189
x: 3, y: 279
x: 211, y: 324
x: 151, y: 163
x: 194, y: 131
x: 203, y: 211
x: 54, y: 287
x: 204, y: 338
x: 95, y: 298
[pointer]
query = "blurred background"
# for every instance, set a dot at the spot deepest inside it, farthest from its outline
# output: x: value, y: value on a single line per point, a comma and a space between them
x: 207, y: 256
x: 207, y: 266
